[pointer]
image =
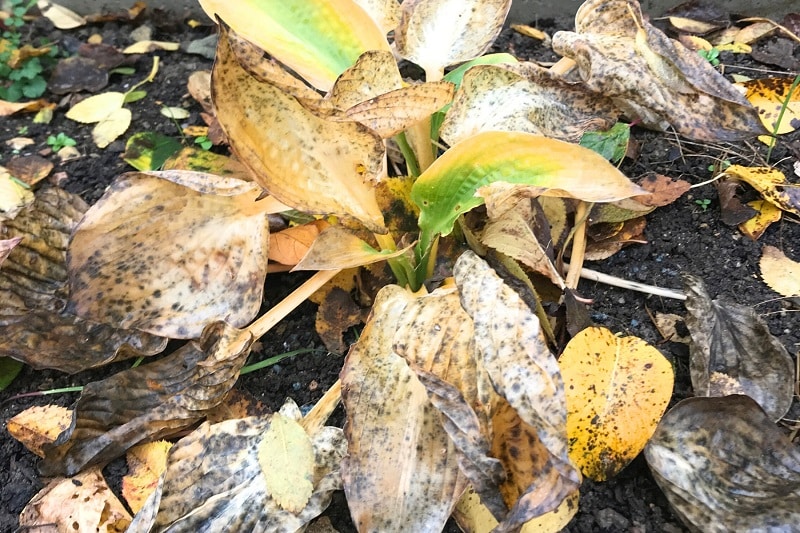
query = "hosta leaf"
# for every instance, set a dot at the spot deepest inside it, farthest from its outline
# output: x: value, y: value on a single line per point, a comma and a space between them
x: 448, y: 188
x: 33, y: 292
x: 437, y: 33
x: 725, y: 466
x: 617, y: 390
x: 307, y: 162
x: 524, y: 97
x: 167, y: 257
x: 733, y: 352
x: 337, y: 248
x: 318, y: 39
x: 390, y: 421
x: 651, y: 77
x: 150, y: 401
x: 373, y: 74
x: 214, y: 481
x: 385, y: 13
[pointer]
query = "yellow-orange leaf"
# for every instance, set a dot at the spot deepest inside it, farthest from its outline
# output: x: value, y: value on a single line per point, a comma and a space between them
x: 771, y: 183
x: 146, y: 463
x: 37, y: 426
x: 779, y: 272
x: 766, y: 214
x: 290, y: 245
x: 768, y: 96
x: 617, y: 390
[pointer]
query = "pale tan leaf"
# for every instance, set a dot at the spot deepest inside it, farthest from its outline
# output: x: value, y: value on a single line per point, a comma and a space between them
x: 111, y: 127
x: 177, y: 113
x: 337, y: 248
x: 307, y: 162
x: 81, y: 504
x: 145, y: 47
x: 96, y: 108
x: 146, y: 463
x: 9, y: 108
x: 199, y: 86
x: 36, y: 426
x: 779, y: 272
x: 373, y: 74
x: 437, y: 33
x: 286, y: 457
x: 13, y: 195
x: 385, y: 13
x: 524, y: 97
x: 61, y: 17
x: 162, y: 257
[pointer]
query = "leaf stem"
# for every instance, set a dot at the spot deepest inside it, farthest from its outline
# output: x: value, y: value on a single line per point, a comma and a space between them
x: 408, y: 154
x: 401, y: 268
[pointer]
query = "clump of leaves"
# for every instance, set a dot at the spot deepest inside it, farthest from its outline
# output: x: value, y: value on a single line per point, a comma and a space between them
x: 22, y: 66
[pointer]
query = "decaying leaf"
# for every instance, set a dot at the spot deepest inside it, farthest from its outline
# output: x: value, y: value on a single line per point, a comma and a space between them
x: 61, y: 17
x: 169, y: 252
x: 14, y: 195
x: 33, y: 294
x: 290, y: 245
x: 146, y: 463
x: 36, y: 426
x: 617, y: 390
x: 150, y: 401
x: 145, y: 47
x: 6, y: 245
x: 300, y: 151
x: 82, y: 504
x: 770, y: 183
x: 779, y: 272
x: 766, y: 214
x: 524, y: 97
x: 768, y: 96
x: 214, y: 481
x: 732, y: 341
x: 651, y: 77
x: 335, y: 315
x: 106, y: 110
x: 725, y: 466
x: 337, y: 248
x: 31, y: 169
x: 431, y: 37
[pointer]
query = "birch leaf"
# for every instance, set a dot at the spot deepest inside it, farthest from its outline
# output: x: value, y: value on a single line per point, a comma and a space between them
x: 779, y: 272
x: 617, y: 390
x: 437, y: 33
x: 299, y: 152
x: 286, y: 458
x: 168, y: 258
x: 731, y: 342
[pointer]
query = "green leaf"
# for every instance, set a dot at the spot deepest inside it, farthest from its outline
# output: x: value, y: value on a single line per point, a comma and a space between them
x: 9, y: 369
x: 611, y: 144
x: 134, y: 96
x: 34, y: 88
x: 148, y: 150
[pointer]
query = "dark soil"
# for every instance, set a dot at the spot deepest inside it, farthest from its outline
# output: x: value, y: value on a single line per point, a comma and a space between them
x: 682, y: 238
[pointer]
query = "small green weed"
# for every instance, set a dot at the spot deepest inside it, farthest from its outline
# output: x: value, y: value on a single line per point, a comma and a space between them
x: 703, y: 203
x: 203, y: 142
x: 712, y: 56
x: 57, y: 142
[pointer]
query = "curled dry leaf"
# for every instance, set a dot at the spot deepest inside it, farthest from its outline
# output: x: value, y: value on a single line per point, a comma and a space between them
x: 81, y: 504
x: 288, y: 246
x: 651, y: 77
x: 33, y: 291
x: 766, y: 214
x: 617, y: 390
x: 336, y: 248
x: 524, y: 97
x: 150, y: 401
x: 299, y: 152
x: 430, y: 36
x: 36, y: 426
x: 6, y: 245
x: 215, y: 482
x: 779, y: 272
x: 169, y: 252
x: 732, y: 341
x: 725, y: 466
x: 771, y: 183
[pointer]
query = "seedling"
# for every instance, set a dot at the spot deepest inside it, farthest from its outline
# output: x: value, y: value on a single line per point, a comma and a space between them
x: 703, y: 203
x: 712, y: 56
x: 203, y: 142
x: 57, y: 142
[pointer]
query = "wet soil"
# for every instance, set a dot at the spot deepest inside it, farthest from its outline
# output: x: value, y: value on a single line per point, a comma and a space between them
x: 683, y: 237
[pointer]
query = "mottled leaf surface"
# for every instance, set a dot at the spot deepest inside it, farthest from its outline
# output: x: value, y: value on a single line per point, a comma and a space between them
x: 731, y: 342
x: 337, y: 248
x: 651, y: 77
x: 169, y: 258
x: 33, y: 294
x: 725, y: 466
x: 150, y: 401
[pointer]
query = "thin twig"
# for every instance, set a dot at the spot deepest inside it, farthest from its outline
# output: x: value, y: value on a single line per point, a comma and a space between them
x: 614, y: 281
x: 319, y: 414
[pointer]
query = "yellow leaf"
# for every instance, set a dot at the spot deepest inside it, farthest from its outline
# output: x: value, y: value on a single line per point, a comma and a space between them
x: 61, y: 17
x: 779, y: 272
x: 766, y: 214
x: 771, y: 184
x: 144, y: 47
x: 9, y: 108
x: 177, y: 113
x: 337, y: 248
x: 617, y: 390
x: 290, y: 245
x: 13, y: 195
x: 736, y: 48
x: 112, y: 126
x: 768, y: 95
x: 286, y: 456
x: 36, y: 426
x: 146, y: 463
x: 96, y: 108
x: 80, y: 504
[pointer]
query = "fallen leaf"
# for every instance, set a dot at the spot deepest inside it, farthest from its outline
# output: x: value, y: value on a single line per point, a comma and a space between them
x: 290, y: 245
x: 112, y: 126
x: 9, y: 108
x: 146, y: 463
x: 214, y: 482
x: 96, y: 108
x: 149, y: 150
x: 779, y: 51
x: 61, y: 17
x: 171, y: 251
x: 779, y: 272
x: 36, y: 426
x: 429, y: 35
x: 286, y: 458
x: 700, y: 11
x: 175, y: 113
x: 732, y: 210
x: 770, y: 183
x: 149, y: 402
x: 672, y: 328
x: 611, y: 143
x: 31, y: 168
x: 768, y: 96
x: 77, y: 73
x: 725, y: 466
x: 651, y: 77
x: 6, y: 245
x: 199, y: 86
x: 603, y: 245
x: 145, y: 47
x: 336, y: 314
x: 192, y: 158
x: 688, y: 25
x: 617, y: 390
x: 14, y: 195
x: 662, y: 190
x: 766, y: 214
x: 754, y: 32
x: 336, y: 248
x: 732, y: 341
